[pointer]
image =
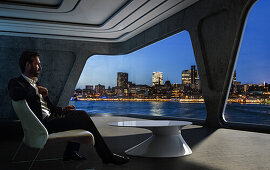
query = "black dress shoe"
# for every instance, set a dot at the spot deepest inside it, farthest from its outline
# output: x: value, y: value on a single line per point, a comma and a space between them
x: 73, y: 156
x: 117, y: 160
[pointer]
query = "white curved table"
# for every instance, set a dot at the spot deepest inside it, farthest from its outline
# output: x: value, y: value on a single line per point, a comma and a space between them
x: 166, y: 139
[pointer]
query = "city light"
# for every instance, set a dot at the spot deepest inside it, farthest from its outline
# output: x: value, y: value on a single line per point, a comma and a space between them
x: 189, y: 91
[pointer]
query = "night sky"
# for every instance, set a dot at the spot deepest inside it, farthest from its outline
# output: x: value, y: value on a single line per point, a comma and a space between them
x: 175, y: 54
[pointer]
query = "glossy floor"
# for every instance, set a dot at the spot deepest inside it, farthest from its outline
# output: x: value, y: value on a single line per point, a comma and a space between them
x: 222, y: 149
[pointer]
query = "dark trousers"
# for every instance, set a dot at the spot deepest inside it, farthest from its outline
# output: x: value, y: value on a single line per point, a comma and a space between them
x: 77, y: 119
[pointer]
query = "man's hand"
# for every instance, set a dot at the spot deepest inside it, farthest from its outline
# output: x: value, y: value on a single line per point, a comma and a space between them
x: 69, y: 107
x: 43, y: 91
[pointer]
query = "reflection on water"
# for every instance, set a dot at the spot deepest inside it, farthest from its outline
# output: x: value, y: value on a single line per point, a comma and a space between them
x: 247, y: 113
x: 169, y: 109
x: 156, y: 109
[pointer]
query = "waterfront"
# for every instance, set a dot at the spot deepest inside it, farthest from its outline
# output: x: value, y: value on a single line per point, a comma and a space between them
x: 247, y: 113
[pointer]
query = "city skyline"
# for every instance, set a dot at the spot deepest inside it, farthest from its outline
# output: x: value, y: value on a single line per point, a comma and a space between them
x: 188, y: 91
x: 175, y: 53
x: 187, y: 78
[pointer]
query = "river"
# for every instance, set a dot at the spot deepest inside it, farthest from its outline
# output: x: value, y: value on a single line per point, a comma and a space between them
x: 247, y: 113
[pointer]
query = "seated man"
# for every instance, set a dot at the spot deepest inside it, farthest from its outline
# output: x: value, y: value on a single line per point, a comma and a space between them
x: 54, y: 118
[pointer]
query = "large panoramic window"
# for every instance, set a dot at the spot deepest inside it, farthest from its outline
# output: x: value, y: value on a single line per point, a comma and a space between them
x: 249, y: 100
x: 158, y: 80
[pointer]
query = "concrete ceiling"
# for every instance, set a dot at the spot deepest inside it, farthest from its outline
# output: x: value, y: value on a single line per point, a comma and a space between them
x: 90, y: 20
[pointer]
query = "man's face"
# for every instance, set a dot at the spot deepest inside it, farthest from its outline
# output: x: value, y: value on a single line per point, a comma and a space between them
x: 34, y: 68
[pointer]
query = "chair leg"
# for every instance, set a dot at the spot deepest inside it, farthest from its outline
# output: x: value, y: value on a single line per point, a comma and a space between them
x: 32, y: 163
x: 17, y: 151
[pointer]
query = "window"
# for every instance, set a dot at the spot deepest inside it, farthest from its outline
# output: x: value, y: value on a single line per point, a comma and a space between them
x: 249, y: 99
x: 158, y: 80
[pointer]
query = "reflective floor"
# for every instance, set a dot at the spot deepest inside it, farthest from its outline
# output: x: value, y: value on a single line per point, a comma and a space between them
x: 222, y: 149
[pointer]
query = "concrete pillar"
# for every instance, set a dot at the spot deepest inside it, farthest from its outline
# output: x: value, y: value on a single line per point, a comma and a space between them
x: 216, y: 39
x: 72, y: 79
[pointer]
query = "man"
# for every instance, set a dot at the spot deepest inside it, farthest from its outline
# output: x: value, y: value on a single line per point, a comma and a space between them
x: 55, y: 118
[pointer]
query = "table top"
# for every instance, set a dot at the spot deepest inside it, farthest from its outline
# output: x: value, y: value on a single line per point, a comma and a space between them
x: 150, y: 123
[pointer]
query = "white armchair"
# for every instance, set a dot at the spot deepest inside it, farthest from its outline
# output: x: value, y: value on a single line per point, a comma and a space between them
x: 36, y: 135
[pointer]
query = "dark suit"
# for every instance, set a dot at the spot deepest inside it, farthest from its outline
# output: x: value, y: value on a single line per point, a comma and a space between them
x: 20, y: 89
x: 59, y: 120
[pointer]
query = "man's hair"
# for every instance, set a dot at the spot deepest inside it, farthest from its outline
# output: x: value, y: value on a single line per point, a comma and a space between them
x: 27, y: 56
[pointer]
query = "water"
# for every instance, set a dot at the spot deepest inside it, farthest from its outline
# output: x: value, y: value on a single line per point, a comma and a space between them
x: 247, y: 113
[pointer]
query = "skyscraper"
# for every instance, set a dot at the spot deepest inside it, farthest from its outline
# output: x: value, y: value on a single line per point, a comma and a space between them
x: 186, y: 77
x: 89, y: 87
x: 100, y: 88
x: 122, y: 80
x: 234, y: 83
x: 157, y: 78
x: 190, y: 76
x: 194, y: 74
x: 234, y: 78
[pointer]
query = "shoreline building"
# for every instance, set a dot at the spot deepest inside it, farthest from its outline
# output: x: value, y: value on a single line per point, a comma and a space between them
x: 190, y: 76
x: 122, y: 79
x: 194, y: 75
x: 234, y: 77
x: 186, y: 77
x: 100, y: 89
x: 157, y: 78
x: 89, y: 87
x: 236, y: 87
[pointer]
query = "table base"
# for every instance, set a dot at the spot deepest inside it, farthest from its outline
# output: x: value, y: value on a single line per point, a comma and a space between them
x: 161, y: 145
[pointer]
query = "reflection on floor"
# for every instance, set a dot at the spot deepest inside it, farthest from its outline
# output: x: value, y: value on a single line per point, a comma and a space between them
x: 212, y: 149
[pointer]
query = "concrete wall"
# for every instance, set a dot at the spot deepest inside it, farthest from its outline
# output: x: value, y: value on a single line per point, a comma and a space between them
x: 215, y: 27
x: 61, y: 68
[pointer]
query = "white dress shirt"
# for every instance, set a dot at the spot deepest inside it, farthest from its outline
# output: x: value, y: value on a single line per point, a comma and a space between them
x: 44, y: 107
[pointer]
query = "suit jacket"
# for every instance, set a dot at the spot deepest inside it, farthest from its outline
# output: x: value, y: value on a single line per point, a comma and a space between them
x: 20, y: 89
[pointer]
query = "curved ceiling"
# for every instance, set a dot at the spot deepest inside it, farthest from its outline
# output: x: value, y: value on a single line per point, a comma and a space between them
x: 91, y: 20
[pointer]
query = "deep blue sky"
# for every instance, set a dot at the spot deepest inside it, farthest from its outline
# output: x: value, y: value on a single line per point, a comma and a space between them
x: 174, y: 54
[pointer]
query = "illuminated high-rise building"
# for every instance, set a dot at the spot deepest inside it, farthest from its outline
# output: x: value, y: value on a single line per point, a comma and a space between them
x: 122, y: 80
x: 194, y: 74
x: 89, y: 87
x: 157, y: 78
x: 190, y: 76
x: 234, y: 78
x: 186, y: 77
x: 100, y: 88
